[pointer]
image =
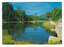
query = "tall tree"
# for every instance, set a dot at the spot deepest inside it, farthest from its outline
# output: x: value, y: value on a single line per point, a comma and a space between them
x: 56, y: 13
x: 48, y: 14
x: 7, y: 10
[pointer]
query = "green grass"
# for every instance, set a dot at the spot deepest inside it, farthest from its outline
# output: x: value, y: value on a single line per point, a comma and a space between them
x: 9, y: 39
x: 24, y: 21
x: 47, y: 24
x: 51, y: 42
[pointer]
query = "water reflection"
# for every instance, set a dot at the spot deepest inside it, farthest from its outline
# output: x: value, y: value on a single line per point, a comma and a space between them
x: 34, y: 33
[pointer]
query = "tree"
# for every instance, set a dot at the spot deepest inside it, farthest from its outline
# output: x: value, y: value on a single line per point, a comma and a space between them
x: 56, y: 14
x: 48, y: 15
x: 23, y: 15
x: 7, y: 10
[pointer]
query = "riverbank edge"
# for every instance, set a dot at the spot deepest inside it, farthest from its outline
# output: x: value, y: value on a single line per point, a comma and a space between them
x: 9, y: 39
x: 46, y: 24
x: 49, y: 26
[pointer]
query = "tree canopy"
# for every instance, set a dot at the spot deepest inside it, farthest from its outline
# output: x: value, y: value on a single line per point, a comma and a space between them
x: 9, y: 14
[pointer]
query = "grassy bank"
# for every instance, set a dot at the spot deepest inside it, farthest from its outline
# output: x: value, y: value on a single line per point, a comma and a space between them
x: 9, y: 39
x: 24, y: 21
x: 49, y: 26
x: 51, y: 42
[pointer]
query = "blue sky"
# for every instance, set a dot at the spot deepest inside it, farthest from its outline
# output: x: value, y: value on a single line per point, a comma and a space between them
x: 36, y: 7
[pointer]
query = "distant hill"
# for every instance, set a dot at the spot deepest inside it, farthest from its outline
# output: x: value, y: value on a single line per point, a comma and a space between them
x: 43, y: 15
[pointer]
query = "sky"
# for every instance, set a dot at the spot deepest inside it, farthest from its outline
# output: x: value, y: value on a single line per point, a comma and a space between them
x: 36, y: 7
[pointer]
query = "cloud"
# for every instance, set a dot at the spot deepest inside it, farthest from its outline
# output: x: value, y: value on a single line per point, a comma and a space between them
x: 36, y: 7
x: 34, y: 11
x: 48, y: 5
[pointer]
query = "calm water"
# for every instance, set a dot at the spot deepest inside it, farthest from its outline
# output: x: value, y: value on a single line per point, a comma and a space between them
x: 34, y: 33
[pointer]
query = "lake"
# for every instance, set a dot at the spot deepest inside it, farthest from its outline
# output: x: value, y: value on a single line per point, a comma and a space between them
x: 29, y: 32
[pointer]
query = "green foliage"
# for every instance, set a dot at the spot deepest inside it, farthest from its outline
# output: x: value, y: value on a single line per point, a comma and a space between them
x: 7, y: 10
x: 48, y: 14
x: 9, y: 14
x: 48, y: 26
x: 5, y: 32
x: 8, y: 39
x: 20, y: 15
x: 56, y: 14
x: 51, y: 42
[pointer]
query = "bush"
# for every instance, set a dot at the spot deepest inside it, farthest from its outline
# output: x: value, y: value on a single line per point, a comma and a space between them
x: 48, y: 26
x: 5, y: 32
